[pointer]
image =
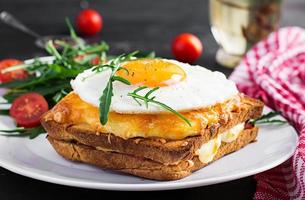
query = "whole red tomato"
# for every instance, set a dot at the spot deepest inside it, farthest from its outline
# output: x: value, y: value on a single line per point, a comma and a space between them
x: 187, y: 47
x: 89, y: 22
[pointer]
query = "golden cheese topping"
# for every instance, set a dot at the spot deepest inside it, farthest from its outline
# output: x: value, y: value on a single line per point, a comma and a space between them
x: 73, y: 110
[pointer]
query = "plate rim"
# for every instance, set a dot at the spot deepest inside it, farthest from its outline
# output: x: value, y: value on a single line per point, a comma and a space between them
x: 154, y: 186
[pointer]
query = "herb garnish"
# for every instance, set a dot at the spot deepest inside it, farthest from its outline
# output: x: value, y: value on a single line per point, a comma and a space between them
x: 114, y: 65
x: 23, y: 132
x: 147, y: 99
x: 267, y: 119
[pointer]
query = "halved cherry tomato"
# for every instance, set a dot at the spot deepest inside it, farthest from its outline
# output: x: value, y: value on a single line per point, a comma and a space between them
x: 187, y: 47
x: 93, y: 61
x: 79, y: 58
x: 28, y: 108
x: 89, y: 22
x: 13, y: 75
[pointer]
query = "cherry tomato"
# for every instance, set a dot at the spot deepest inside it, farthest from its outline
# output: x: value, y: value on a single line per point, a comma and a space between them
x: 89, y: 22
x: 187, y: 47
x: 28, y: 108
x: 93, y: 61
x: 13, y: 75
x: 78, y: 58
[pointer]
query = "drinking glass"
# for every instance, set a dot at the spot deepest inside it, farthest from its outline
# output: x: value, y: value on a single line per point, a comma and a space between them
x: 238, y: 24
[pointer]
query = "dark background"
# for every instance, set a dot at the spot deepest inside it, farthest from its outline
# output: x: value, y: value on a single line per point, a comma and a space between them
x: 128, y: 25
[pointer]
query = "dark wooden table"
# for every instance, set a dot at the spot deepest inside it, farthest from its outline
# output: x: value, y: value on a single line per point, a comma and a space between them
x: 128, y: 25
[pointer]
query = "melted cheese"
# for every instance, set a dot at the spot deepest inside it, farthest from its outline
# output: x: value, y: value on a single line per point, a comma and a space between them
x: 73, y: 110
x: 232, y: 134
x: 207, y: 151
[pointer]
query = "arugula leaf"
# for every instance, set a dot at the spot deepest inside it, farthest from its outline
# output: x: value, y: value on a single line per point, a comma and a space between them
x: 102, y: 47
x: 105, y: 99
x: 121, y: 79
x: 273, y: 121
x: 23, y: 132
x: 73, y: 35
x: 59, y: 95
x: 16, y: 83
x: 52, y: 50
x: 267, y: 119
x: 15, y: 67
x: 44, y: 90
x: 4, y: 112
x: 105, y: 102
x: 151, y: 54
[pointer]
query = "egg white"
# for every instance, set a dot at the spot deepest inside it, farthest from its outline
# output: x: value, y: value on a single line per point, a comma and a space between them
x: 199, y: 89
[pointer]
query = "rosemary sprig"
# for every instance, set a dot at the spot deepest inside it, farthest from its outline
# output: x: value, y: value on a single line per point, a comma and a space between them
x: 267, y: 119
x: 147, y: 99
x: 23, y: 132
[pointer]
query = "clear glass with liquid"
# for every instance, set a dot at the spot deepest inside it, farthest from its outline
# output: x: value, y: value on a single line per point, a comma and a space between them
x: 238, y: 24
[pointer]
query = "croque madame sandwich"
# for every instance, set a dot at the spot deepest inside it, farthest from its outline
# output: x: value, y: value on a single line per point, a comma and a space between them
x: 154, y: 118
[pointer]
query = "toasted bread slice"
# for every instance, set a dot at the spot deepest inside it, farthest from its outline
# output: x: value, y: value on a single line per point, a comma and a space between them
x: 161, y: 150
x: 141, y: 166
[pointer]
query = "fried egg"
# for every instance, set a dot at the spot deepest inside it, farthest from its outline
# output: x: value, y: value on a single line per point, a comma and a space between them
x: 182, y: 86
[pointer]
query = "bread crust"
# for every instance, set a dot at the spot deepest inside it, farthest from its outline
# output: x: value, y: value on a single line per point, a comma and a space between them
x: 144, y: 167
x: 158, y: 149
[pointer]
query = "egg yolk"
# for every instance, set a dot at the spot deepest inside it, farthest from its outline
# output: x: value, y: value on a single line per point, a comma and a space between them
x: 152, y: 72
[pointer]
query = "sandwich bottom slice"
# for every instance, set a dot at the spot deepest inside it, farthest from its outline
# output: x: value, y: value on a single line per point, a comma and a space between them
x: 144, y: 167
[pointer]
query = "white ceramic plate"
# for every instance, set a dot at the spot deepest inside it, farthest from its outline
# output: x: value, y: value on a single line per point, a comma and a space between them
x: 37, y: 159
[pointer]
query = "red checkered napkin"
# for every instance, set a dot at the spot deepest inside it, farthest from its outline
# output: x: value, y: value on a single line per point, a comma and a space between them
x: 274, y: 71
